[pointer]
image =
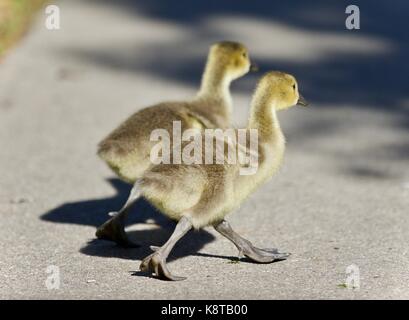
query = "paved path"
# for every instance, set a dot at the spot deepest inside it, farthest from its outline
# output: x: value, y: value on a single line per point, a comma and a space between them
x: 341, y: 198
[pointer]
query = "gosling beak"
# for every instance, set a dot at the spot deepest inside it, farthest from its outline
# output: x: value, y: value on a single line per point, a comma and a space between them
x: 253, y: 67
x: 301, y: 101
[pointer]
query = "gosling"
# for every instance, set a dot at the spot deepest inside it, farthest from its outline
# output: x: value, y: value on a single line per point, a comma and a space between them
x: 201, y: 195
x: 127, y: 149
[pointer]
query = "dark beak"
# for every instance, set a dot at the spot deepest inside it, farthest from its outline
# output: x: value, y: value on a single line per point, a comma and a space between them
x: 301, y: 101
x: 253, y: 67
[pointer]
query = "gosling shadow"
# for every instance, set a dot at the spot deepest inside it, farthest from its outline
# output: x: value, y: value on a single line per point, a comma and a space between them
x: 232, y: 259
x: 95, y: 212
x: 156, y: 231
x: 151, y: 236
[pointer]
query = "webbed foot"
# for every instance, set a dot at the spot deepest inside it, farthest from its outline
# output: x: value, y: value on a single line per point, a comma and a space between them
x: 246, y: 248
x: 261, y: 255
x: 156, y: 263
x: 114, y: 230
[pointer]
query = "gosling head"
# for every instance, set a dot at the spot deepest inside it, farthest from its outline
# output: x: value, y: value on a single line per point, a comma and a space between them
x: 231, y: 57
x: 283, y: 89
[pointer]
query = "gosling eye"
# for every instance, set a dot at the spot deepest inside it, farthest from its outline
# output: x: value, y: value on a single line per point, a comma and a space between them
x: 294, y: 86
x: 244, y: 54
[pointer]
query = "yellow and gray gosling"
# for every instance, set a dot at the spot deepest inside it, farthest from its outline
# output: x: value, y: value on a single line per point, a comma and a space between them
x: 202, y: 195
x: 127, y: 149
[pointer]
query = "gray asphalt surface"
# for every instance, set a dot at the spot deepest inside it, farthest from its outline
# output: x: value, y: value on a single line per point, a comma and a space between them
x: 340, y: 199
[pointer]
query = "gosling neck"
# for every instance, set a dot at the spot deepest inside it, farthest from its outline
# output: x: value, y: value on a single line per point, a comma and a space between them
x: 271, y: 143
x: 264, y: 117
x: 215, y: 85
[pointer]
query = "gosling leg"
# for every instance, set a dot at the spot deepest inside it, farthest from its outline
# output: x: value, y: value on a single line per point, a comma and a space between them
x: 156, y: 262
x: 246, y: 248
x: 114, y: 228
